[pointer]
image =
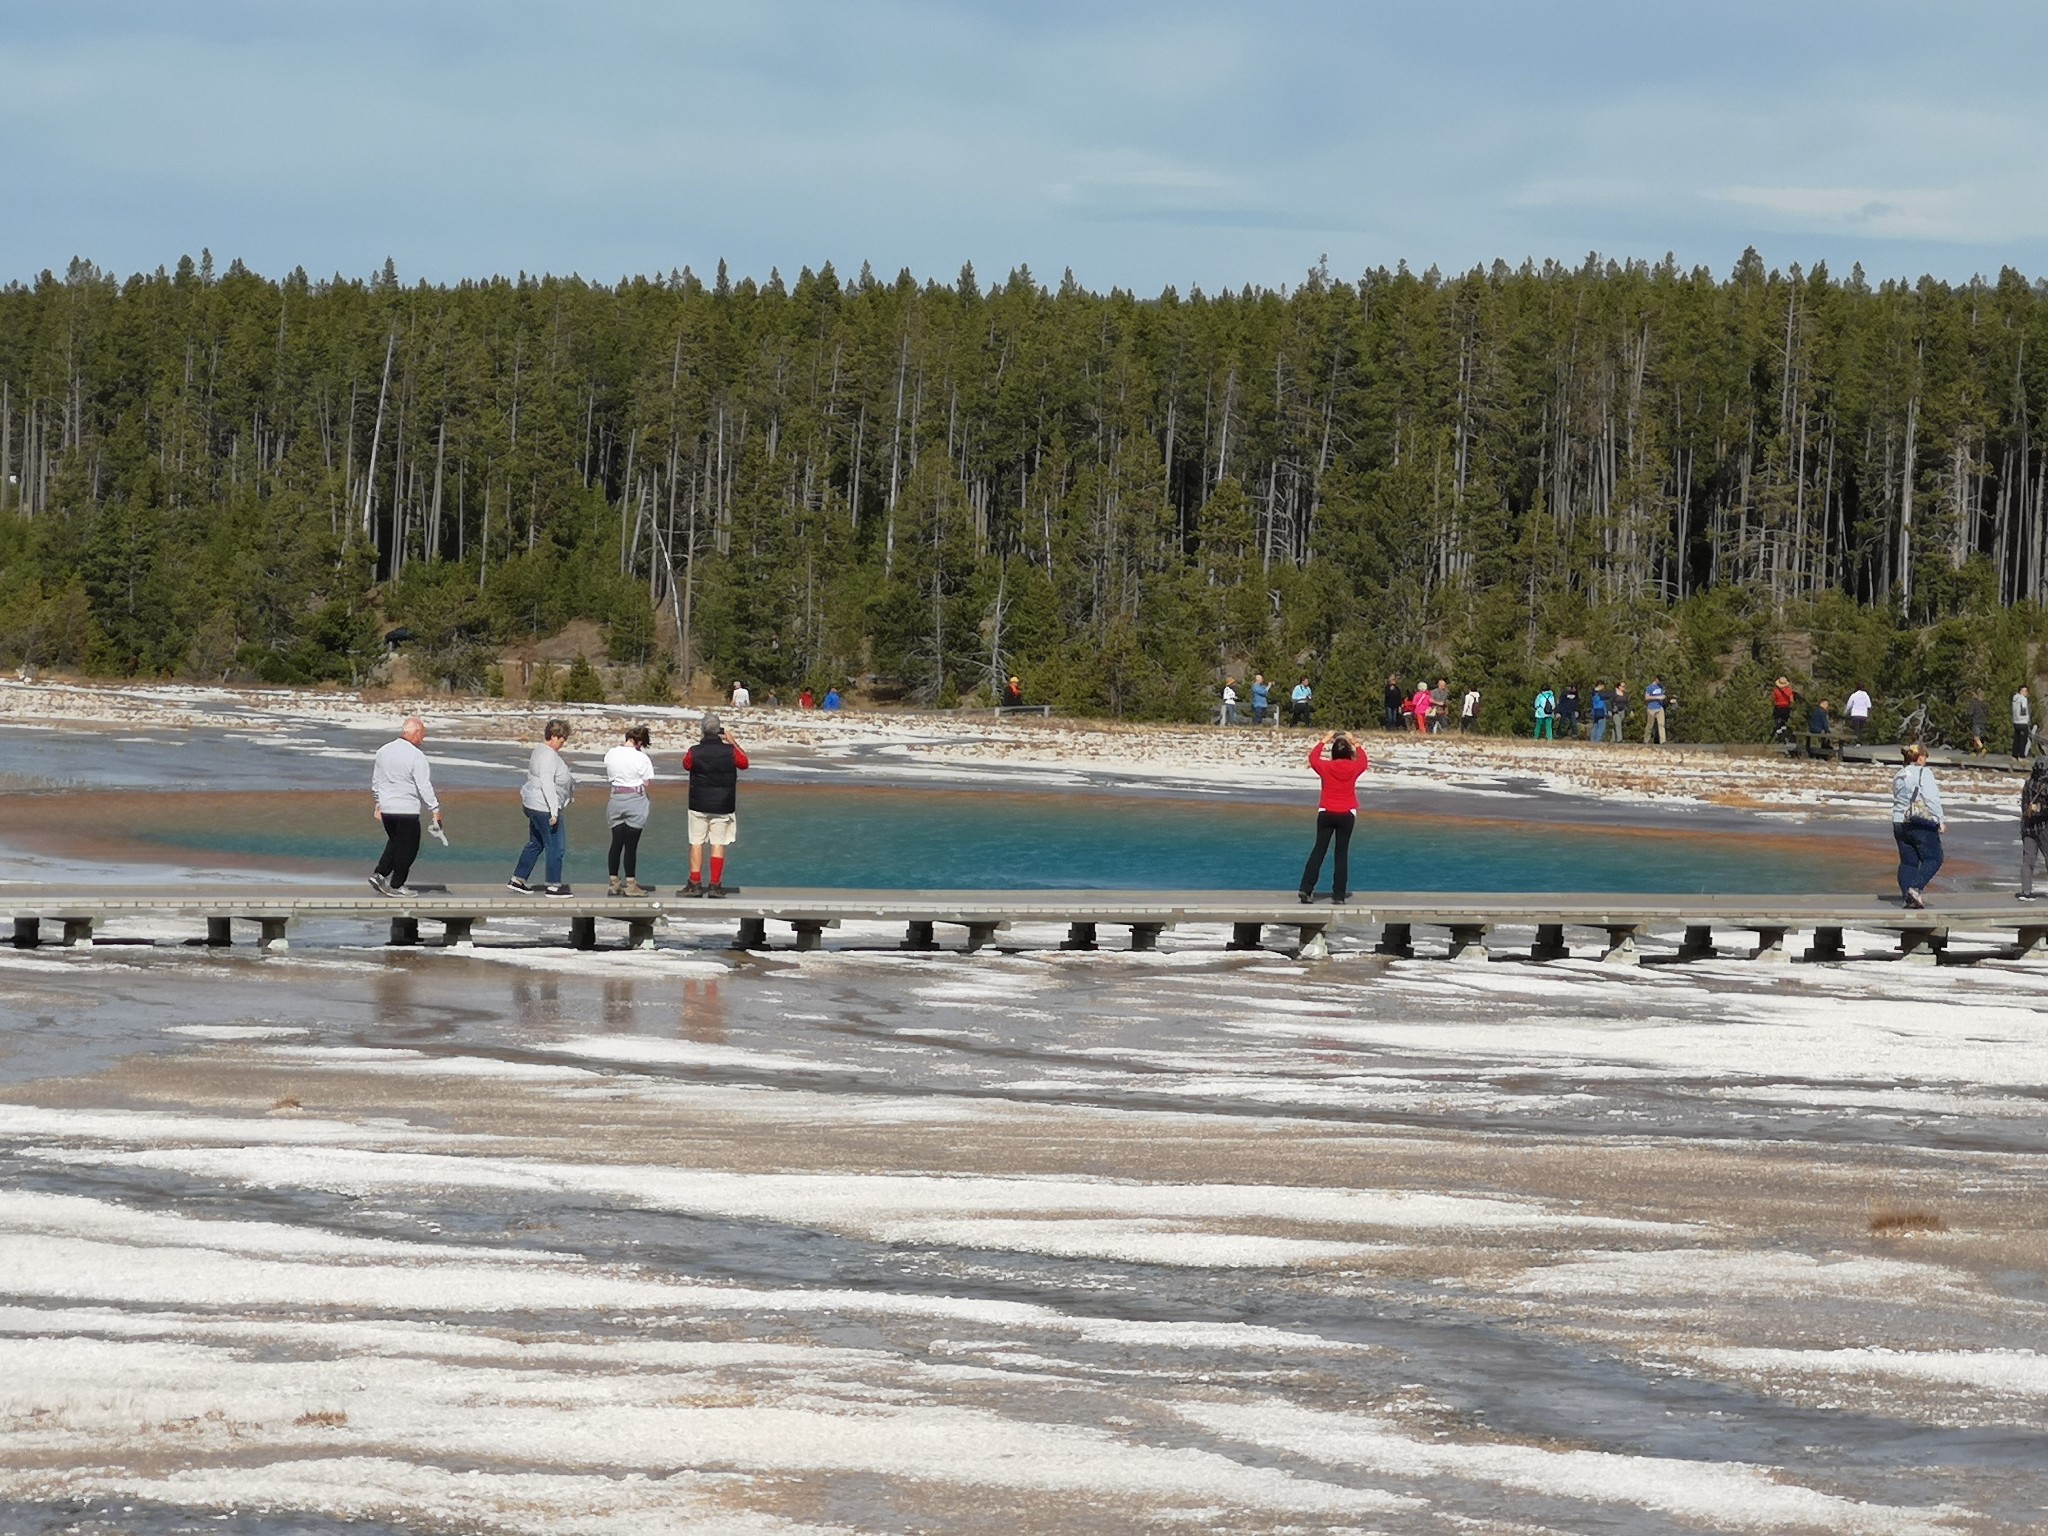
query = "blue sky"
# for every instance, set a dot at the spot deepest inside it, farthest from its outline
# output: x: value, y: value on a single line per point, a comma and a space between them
x: 1140, y: 144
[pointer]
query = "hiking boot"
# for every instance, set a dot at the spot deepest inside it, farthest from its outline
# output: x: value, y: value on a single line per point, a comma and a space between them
x: 612, y: 886
x: 1305, y: 897
x: 519, y: 885
x: 694, y: 888
x: 716, y: 888
x: 635, y: 888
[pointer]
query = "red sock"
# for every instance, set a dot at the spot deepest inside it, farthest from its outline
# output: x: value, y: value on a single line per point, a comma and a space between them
x: 696, y: 878
x: 717, y: 868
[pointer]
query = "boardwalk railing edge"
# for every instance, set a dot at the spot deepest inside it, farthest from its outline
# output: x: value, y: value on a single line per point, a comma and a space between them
x: 1468, y: 920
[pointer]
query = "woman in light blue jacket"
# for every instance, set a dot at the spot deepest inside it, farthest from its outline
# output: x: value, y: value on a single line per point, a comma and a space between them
x: 1916, y: 825
x: 545, y: 795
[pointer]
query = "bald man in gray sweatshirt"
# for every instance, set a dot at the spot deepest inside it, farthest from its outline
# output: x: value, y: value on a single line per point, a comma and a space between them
x: 403, y: 786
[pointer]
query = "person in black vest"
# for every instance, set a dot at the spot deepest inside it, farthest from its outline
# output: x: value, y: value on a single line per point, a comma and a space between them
x: 714, y: 766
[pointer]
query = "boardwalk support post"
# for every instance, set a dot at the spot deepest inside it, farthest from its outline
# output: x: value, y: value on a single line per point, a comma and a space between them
x: 28, y: 932
x: 1396, y: 939
x: 1550, y: 944
x: 1698, y: 943
x: 1770, y: 947
x: 220, y: 932
x: 917, y: 935
x: 273, y: 941
x: 809, y: 935
x: 1313, y: 946
x: 2033, y: 944
x: 753, y: 934
x: 583, y: 932
x: 1827, y: 945
x: 1145, y: 936
x: 1621, y: 944
x: 1468, y: 943
x: 1248, y: 935
x: 979, y: 934
x: 1922, y: 946
x: 77, y: 930
x: 1079, y: 936
x: 404, y: 930
x: 640, y: 933
x: 455, y: 932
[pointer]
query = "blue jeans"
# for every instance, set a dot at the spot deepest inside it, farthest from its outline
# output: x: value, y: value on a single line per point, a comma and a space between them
x: 542, y: 838
x: 1599, y: 727
x: 1919, y: 853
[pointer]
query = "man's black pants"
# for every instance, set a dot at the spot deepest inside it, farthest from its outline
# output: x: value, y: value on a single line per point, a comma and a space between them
x: 401, y: 847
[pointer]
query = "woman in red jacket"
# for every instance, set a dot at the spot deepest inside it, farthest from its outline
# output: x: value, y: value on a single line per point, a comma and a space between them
x: 1336, y: 812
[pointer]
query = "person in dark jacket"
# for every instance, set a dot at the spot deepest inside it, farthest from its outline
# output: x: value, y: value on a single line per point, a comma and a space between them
x: 2033, y: 827
x: 714, y: 766
x: 1390, y: 715
x: 1568, y: 713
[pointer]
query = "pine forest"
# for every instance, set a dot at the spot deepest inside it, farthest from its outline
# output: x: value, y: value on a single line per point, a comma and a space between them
x: 1511, y: 477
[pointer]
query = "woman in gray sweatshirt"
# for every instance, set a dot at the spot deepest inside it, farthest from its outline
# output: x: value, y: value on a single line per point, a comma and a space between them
x: 1916, y: 825
x: 546, y: 794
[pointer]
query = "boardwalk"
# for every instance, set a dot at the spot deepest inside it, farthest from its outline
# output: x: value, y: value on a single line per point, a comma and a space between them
x: 1469, y: 927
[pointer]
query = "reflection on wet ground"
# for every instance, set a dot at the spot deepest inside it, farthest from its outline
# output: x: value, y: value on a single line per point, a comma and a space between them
x: 529, y: 1241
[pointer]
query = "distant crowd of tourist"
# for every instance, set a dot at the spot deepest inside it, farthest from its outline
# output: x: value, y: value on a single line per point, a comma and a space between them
x: 1603, y: 713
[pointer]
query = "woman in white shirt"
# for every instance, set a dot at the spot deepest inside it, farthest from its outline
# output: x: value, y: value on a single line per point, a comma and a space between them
x: 629, y: 769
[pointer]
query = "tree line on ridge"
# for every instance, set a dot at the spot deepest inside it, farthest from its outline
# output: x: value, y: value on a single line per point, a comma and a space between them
x: 1513, y: 476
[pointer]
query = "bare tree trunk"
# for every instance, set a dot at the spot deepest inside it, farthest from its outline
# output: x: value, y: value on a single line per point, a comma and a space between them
x: 625, y: 492
x: 1905, y: 559
x: 433, y: 549
x: 895, y: 460
x: 1223, y: 447
x: 376, y: 440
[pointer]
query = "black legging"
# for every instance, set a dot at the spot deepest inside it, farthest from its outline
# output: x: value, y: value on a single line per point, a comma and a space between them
x: 626, y: 848
x: 1329, y: 824
x: 401, y: 847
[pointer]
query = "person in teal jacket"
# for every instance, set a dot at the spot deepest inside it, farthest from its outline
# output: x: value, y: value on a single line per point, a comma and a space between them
x: 1546, y: 716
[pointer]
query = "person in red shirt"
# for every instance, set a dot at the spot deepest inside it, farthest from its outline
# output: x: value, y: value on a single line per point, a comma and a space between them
x: 1336, y: 812
x: 1783, y: 695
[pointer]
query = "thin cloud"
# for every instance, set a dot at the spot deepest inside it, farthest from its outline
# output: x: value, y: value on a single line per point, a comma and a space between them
x: 1213, y: 141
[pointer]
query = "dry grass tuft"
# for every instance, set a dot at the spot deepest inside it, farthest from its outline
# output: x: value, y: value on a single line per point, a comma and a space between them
x: 326, y: 1418
x: 1891, y: 1220
x: 290, y: 1100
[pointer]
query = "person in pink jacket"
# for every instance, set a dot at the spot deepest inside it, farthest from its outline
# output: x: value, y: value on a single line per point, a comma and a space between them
x: 1419, y: 708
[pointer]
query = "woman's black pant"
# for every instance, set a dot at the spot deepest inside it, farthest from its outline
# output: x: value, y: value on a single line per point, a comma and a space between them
x: 625, y: 850
x: 1338, y: 825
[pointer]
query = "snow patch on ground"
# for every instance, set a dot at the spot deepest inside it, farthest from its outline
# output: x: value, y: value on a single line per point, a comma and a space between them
x: 1724, y: 1493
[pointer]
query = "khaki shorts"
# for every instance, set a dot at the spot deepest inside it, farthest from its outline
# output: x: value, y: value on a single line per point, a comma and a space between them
x: 718, y: 831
